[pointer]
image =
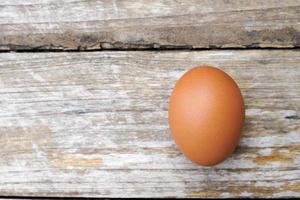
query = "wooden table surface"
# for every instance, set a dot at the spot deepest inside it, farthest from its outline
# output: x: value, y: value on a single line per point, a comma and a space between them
x: 85, y: 85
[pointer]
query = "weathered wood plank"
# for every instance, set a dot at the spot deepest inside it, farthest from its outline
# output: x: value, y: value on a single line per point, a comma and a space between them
x: 95, y: 124
x: 101, y: 24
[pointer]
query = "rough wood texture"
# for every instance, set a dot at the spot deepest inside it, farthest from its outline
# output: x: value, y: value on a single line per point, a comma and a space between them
x: 123, y: 24
x: 95, y: 124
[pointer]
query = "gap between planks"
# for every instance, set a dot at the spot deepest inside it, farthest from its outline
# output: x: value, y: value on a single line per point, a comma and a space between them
x: 145, y: 50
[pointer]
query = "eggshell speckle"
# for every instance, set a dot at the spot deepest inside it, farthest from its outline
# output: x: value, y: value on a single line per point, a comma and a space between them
x: 206, y: 115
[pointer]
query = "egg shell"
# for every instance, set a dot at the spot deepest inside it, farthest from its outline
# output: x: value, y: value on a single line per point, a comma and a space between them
x: 206, y: 115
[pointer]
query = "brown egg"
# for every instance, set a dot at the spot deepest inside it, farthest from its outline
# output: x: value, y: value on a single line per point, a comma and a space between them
x: 206, y: 115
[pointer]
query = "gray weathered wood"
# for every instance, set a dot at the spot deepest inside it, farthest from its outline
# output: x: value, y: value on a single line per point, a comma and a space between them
x: 95, y: 125
x: 102, y: 24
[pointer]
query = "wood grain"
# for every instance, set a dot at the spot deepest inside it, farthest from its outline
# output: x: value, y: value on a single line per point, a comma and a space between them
x: 143, y: 24
x: 95, y: 125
